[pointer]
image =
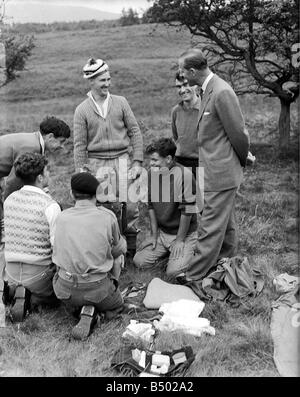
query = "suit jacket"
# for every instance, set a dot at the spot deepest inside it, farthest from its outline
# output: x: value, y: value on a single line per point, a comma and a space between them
x: 11, y: 147
x: 223, y: 139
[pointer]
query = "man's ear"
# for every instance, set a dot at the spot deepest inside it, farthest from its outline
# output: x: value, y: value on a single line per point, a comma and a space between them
x: 48, y: 136
x: 72, y: 196
x: 40, y: 178
x: 169, y: 159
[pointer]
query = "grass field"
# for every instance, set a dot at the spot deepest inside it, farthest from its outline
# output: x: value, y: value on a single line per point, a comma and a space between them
x: 142, y: 64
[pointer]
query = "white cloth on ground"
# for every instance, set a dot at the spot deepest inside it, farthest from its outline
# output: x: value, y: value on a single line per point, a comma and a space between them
x: 183, y: 315
x: 284, y: 282
x: 139, y: 330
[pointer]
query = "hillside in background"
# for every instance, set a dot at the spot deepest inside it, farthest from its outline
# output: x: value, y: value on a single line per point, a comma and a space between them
x: 143, y: 61
x: 46, y: 13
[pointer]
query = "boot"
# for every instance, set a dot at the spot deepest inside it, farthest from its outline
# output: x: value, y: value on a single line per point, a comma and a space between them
x: 88, y: 319
x: 20, y: 306
x: 2, y: 307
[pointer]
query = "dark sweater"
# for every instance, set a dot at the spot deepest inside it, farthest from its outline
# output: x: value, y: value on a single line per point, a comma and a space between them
x: 171, y: 194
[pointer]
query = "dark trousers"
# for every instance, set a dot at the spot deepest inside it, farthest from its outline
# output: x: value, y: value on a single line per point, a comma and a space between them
x: 40, y: 286
x: 218, y: 233
x: 104, y: 294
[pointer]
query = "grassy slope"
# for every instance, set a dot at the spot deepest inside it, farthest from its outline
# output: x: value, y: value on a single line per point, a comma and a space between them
x: 141, y: 61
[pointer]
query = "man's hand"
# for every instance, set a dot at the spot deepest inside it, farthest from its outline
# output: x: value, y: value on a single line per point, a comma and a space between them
x: 84, y: 168
x: 176, y: 248
x: 250, y: 159
x: 135, y: 170
x: 151, y: 241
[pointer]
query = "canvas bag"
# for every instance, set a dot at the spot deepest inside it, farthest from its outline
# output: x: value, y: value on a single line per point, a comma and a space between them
x: 233, y: 279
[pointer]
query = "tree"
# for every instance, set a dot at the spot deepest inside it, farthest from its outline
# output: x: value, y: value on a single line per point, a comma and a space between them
x: 16, y: 47
x: 252, y: 41
x: 129, y: 17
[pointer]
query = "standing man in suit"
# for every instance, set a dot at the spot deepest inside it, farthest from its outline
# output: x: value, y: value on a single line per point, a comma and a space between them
x: 223, y: 147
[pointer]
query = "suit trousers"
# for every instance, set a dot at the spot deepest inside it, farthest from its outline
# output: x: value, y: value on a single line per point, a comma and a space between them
x: 218, y: 233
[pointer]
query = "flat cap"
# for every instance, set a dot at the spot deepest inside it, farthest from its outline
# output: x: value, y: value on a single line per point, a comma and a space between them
x: 84, y: 182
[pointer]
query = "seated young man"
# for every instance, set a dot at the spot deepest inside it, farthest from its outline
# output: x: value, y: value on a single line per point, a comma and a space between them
x: 87, y: 250
x: 172, y: 210
x: 29, y: 223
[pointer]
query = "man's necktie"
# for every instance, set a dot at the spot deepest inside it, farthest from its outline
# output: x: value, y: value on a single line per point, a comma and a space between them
x: 201, y: 93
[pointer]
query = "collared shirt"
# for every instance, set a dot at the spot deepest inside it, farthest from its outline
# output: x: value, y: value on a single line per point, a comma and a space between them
x: 87, y: 239
x: 102, y: 110
x: 42, y: 142
x: 206, y: 81
x: 185, y: 129
x: 51, y: 212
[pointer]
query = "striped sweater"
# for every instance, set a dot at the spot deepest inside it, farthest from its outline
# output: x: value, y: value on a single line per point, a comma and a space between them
x: 96, y: 137
x: 27, y: 232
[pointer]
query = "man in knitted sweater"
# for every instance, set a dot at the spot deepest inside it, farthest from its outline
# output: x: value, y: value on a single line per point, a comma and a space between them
x: 88, y: 251
x: 104, y: 128
x: 184, y: 124
x: 29, y: 223
x: 49, y: 139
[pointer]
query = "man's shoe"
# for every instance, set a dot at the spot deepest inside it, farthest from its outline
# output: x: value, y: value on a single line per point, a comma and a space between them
x: 88, y: 319
x: 2, y: 304
x: 3, y: 291
x: 19, y: 308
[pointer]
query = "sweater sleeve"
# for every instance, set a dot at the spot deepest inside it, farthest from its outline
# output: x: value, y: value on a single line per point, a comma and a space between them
x: 80, y: 139
x: 133, y: 131
x: 119, y: 245
x: 52, y: 212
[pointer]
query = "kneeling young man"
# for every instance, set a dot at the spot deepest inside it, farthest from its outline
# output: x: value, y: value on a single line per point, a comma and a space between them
x: 29, y: 223
x: 87, y: 251
x: 172, y: 210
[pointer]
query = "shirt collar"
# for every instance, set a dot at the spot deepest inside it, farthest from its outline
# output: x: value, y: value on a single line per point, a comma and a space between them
x: 36, y: 189
x: 42, y: 142
x: 105, y: 103
x: 206, y: 81
x: 84, y: 203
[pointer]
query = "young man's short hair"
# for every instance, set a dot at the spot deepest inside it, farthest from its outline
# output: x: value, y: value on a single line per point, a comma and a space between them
x: 55, y: 126
x: 163, y: 146
x: 28, y: 166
